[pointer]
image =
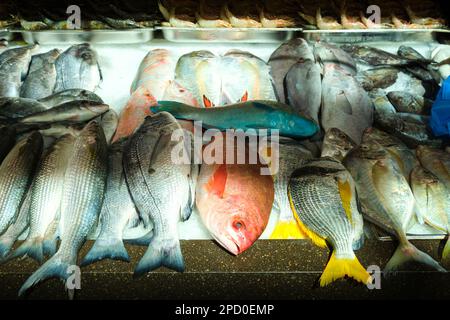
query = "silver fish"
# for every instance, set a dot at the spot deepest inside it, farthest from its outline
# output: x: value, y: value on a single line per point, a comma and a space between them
x: 327, y: 53
x: 78, y: 68
x: 410, y: 103
x: 109, y: 121
x: 46, y: 194
x: 41, y: 78
x: 374, y: 56
x: 84, y: 186
x: 336, y: 144
x: 69, y: 95
x: 162, y: 190
x: 15, y: 107
x: 16, y: 173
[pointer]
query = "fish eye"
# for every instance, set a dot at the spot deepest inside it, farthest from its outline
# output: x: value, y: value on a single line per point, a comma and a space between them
x: 364, y: 147
x: 239, y: 225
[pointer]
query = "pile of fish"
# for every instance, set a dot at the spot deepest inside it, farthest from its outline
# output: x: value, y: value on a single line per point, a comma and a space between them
x: 51, y: 15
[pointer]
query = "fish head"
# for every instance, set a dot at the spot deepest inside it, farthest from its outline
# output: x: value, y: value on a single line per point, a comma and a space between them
x: 85, y: 52
x: 96, y: 108
x: 370, y: 149
x: 176, y: 92
x: 339, y: 141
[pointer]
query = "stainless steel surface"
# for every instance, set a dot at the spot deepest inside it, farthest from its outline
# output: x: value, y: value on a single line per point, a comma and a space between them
x: 375, y: 35
x: 248, y: 35
x: 94, y: 36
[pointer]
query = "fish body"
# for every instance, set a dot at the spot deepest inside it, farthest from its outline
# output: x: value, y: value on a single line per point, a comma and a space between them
x: 84, y: 185
x: 69, y: 95
x: 77, y: 68
x: 323, y: 197
x: 410, y: 103
x: 109, y: 121
x: 19, y: 107
x: 412, y: 54
x: 244, y: 77
x: 374, y: 56
x: 46, y: 194
x: 326, y: 53
x: 283, y: 58
x: 162, y: 190
x: 344, y: 102
x: 304, y: 88
x: 248, y: 115
x: 199, y: 72
x: 381, y: 105
x: 436, y: 161
x: 73, y: 112
x: 386, y: 198
x: 336, y: 144
x: 16, y: 173
x: 41, y: 78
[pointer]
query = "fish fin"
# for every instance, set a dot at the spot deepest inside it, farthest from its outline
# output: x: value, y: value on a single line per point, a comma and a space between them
x: 161, y: 253
x: 144, y: 240
x: 106, y: 249
x: 217, y: 183
x: 338, y: 268
x: 345, y: 193
x: 56, y: 266
x: 244, y: 97
x: 446, y: 250
x: 315, y: 238
x: 207, y: 103
x: 31, y: 248
x: 287, y: 230
x: 408, y: 252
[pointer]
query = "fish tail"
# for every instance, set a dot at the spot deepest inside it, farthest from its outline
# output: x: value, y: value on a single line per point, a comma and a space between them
x: 161, y: 253
x: 142, y: 241
x: 106, y: 249
x: 5, y: 247
x: 31, y: 248
x: 49, y: 246
x: 338, y: 268
x: 408, y: 252
x: 287, y: 230
x: 56, y: 266
x: 445, y: 252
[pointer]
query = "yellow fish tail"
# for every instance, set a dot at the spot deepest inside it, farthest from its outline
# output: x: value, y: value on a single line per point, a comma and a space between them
x: 287, y: 230
x: 339, y: 268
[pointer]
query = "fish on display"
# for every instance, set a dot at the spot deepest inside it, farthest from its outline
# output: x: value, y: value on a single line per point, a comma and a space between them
x: 155, y: 72
x: 345, y: 105
x: 117, y: 211
x: 199, y: 72
x: 71, y: 112
x: 46, y: 194
x: 84, y: 186
x: 374, y: 56
x: 290, y: 157
x: 304, y: 88
x: 211, y: 14
x: 436, y: 161
x: 109, y: 121
x: 78, y: 68
x: 410, y: 103
x: 336, y: 144
x: 283, y: 58
x: 68, y: 96
x: 441, y: 55
x: 15, y: 107
x: 248, y: 115
x: 323, y: 198
x: 41, y: 77
x: 13, y: 67
x: 242, y: 14
x: 16, y: 174
x: 412, y: 54
x: 327, y: 53
x: 9, y: 237
x: 162, y: 190
x: 381, y: 104
x: 386, y: 199
x: 234, y: 202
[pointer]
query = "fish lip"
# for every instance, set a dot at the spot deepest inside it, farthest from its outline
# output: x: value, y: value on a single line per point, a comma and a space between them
x: 232, y: 249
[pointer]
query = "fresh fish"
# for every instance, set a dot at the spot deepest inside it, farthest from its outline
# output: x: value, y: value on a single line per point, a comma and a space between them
x: 441, y: 55
x: 13, y: 67
x: 211, y: 14
x: 234, y: 202
x: 400, y: 153
x: 323, y: 197
x: 78, y: 68
x: 179, y: 13
x: 19, y: 107
x: 199, y: 72
x: 7, y: 139
x: 84, y: 185
x: 436, y: 161
x: 412, y: 54
x: 432, y: 200
x: 381, y: 104
x: 283, y: 58
x: 109, y: 121
x: 279, y: 14
x: 344, y: 102
x: 248, y: 115
x: 46, y: 194
x: 410, y: 103
x: 16, y: 173
x: 117, y: 211
x: 336, y: 144
x: 9, y: 237
x: 242, y: 14
x: 69, y: 95
x: 41, y: 78
x: 386, y: 199
x: 245, y: 77
x: 155, y: 73
x: 304, y: 88
x: 327, y: 53
x: 175, y: 92
x: 374, y: 56
x: 162, y: 190
x: 73, y: 112
x: 290, y: 157
x: 57, y: 130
